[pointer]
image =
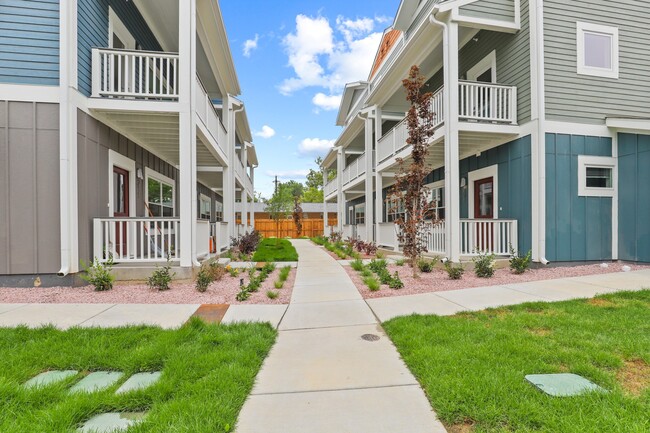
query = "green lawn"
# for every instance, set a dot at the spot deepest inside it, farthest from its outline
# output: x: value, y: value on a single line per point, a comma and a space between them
x: 208, y: 371
x: 472, y: 365
x: 275, y: 250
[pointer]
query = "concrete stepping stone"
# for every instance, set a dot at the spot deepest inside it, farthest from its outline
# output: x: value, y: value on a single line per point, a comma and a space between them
x: 97, y: 381
x: 139, y: 381
x: 49, y: 377
x: 563, y: 384
x: 111, y: 422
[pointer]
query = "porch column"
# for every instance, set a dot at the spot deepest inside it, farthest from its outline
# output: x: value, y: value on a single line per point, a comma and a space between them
x: 452, y: 169
x: 252, y: 208
x: 231, y: 107
x: 340, y: 197
x: 245, y: 192
x: 187, y: 130
x: 369, y: 217
x: 325, y: 174
x: 379, y: 201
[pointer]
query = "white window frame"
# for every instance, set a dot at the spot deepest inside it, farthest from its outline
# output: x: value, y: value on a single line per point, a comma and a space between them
x: 491, y: 171
x: 115, y: 25
x: 125, y: 163
x: 204, y: 198
x: 394, y: 204
x: 488, y: 62
x: 434, y: 186
x: 357, y: 212
x: 583, y: 69
x: 218, y: 211
x: 149, y: 173
x: 585, y: 161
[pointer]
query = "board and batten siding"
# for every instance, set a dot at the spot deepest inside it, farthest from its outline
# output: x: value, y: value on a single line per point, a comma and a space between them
x: 634, y: 197
x: 587, y: 99
x: 29, y: 42
x: 93, y: 32
x: 513, y: 61
x: 501, y: 10
x: 29, y: 189
x: 577, y: 228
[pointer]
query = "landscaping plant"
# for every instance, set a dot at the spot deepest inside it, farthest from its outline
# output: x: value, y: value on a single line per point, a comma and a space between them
x: 246, y: 243
x: 203, y: 279
x: 99, y: 274
x: 278, y: 284
x: 400, y: 262
x: 455, y: 272
x: 426, y: 265
x: 161, y: 277
x: 357, y: 265
x: 271, y: 294
x: 396, y: 282
x: 484, y: 265
x: 518, y: 264
x: 372, y: 283
x: 284, y: 273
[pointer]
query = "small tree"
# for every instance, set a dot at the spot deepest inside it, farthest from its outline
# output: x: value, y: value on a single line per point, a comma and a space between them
x: 409, y: 187
x: 296, y: 193
x: 279, y: 206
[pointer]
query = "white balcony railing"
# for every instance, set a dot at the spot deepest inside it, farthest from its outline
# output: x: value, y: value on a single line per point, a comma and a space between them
x: 134, y: 74
x: 387, y: 235
x: 491, y: 236
x: 487, y: 102
x: 223, y: 241
x: 392, y: 142
x: 361, y: 232
x: 434, y: 238
x: 203, y: 240
x: 355, y: 170
x: 330, y: 188
x: 136, y: 239
x: 208, y: 115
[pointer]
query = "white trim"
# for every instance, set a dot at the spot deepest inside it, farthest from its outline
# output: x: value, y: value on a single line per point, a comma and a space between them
x: 615, y: 199
x: 585, y: 161
x: 115, y: 25
x: 581, y: 29
x: 557, y: 127
x: 30, y: 93
x: 491, y: 171
x: 203, y: 197
x: 638, y: 126
x: 121, y: 161
x: 153, y: 174
x: 486, y: 23
x: 487, y: 62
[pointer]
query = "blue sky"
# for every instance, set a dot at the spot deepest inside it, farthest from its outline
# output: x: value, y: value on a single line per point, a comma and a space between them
x: 293, y: 59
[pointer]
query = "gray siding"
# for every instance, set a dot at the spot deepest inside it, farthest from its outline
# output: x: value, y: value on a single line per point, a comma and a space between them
x: 503, y: 10
x: 29, y: 42
x: 513, y: 61
x: 29, y: 188
x: 93, y: 32
x: 588, y: 99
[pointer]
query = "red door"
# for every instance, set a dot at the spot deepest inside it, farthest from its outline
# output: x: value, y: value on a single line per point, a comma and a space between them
x: 120, y: 208
x: 484, y: 210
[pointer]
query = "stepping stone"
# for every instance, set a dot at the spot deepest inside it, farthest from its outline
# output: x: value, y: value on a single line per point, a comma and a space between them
x: 139, y: 381
x: 49, y: 377
x: 563, y: 384
x: 111, y: 422
x: 97, y: 381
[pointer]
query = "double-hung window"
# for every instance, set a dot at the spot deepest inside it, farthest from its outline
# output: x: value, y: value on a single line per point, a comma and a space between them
x: 160, y: 195
x: 597, y: 50
x: 360, y: 214
x: 205, y: 207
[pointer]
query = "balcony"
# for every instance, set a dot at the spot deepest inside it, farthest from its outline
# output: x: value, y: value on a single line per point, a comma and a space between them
x: 330, y: 188
x: 209, y: 121
x: 355, y: 170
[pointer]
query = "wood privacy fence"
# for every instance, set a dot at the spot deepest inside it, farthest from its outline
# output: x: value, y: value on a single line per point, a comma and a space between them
x: 286, y: 228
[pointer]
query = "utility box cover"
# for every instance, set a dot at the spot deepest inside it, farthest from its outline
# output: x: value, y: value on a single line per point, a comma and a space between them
x: 563, y: 384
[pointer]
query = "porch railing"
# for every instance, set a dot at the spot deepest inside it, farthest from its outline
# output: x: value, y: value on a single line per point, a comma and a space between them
x: 330, y: 187
x: 208, y: 115
x: 435, y: 237
x: 202, y: 238
x: 487, y: 102
x: 223, y: 241
x: 134, y: 74
x: 136, y: 239
x: 491, y: 236
x: 349, y: 231
x: 356, y: 169
x: 387, y: 235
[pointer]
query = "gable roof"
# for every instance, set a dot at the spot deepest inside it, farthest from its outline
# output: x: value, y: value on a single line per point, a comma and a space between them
x: 387, y: 42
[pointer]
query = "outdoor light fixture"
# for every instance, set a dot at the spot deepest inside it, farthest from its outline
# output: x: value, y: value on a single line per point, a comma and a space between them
x: 463, y: 182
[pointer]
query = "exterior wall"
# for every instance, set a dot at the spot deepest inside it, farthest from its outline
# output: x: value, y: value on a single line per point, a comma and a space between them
x: 588, y: 99
x: 356, y: 201
x: 94, y: 140
x: 577, y: 228
x: 214, y: 198
x: 93, y: 32
x: 29, y: 42
x: 502, y: 10
x: 633, y: 197
x: 513, y: 61
x: 29, y: 188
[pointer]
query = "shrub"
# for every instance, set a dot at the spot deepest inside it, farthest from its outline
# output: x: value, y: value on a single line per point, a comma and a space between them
x: 319, y: 240
x: 216, y: 270
x: 455, y: 272
x: 99, y: 274
x: 384, y: 276
x: 372, y: 283
x: 246, y: 243
x: 370, y: 248
x: 377, y: 265
x: 484, y: 265
x: 271, y: 294
x: 396, y: 282
x: 357, y: 265
x: 425, y: 265
x: 336, y: 237
x: 203, y: 279
x: 380, y: 255
x: 161, y: 277
x: 400, y: 262
x: 366, y: 272
x: 518, y: 264
x: 234, y: 272
x: 341, y: 254
x: 243, y: 295
x: 278, y: 284
x: 268, y: 268
x: 284, y: 273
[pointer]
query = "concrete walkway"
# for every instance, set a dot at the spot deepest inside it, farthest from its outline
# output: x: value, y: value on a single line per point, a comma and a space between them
x: 322, y: 376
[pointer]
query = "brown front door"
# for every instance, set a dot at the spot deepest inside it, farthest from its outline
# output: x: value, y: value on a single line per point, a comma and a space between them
x: 120, y: 207
x: 484, y: 209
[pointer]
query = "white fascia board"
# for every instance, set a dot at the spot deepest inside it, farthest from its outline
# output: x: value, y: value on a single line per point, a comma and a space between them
x: 114, y: 104
x: 404, y: 15
x: 640, y: 125
x: 346, y: 100
x: 30, y: 93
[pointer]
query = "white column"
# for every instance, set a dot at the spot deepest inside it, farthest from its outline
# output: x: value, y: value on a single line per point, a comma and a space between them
x: 379, y: 209
x: 452, y: 169
x: 379, y: 217
x: 252, y: 208
x: 369, y: 183
x: 245, y: 192
x: 229, y: 170
x: 187, y: 130
x: 340, y: 197
x: 325, y: 174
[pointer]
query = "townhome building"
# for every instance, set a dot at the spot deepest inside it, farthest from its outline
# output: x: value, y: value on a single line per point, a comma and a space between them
x: 541, y: 130
x: 121, y: 135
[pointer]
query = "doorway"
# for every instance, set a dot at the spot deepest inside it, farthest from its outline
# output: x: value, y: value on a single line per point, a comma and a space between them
x: 121, y: 208
x: 484, y: 198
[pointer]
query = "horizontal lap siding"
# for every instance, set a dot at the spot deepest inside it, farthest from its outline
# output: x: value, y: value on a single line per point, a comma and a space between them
x: 577, y: 228
x: 93, y: 32
x: 588, y: 99
x: 29, y: 42
x: 503, y: 10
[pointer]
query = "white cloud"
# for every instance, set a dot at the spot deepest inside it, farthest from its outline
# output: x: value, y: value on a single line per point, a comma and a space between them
x: 326, y: 102
x: 352, y: 29
x: 315, y: 146
x: 266, y: 132
x: 251, y: 45
x: 288, y: 174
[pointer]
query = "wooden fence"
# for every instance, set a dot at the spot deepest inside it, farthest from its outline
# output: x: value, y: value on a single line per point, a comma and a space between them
x: 286, y: 228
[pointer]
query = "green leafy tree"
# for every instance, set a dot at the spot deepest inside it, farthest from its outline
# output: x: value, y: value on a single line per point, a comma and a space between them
x: 313, y: 192
x: 280, y: 205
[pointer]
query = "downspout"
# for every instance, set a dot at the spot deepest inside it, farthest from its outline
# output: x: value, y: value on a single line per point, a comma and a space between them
x: 541, y: 132
x: 64, y: 145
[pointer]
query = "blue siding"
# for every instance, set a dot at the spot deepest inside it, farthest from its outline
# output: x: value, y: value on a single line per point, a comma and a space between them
x: 93, y: 32
x: 634, y: 197
x: 29, y: 42
x: 577, y: 228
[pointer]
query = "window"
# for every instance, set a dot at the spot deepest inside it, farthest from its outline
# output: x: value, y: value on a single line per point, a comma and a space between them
x: 205, y: 207
x: 360, y: 214
x: 596, y: 176
x: 597, y: 50
x: 218, y: 214
x: 437, y: 202
x: 395, y: 209
x: 160, y: 195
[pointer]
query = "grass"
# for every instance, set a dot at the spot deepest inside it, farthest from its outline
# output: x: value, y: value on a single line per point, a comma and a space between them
x: 271, y: 294
x: 208, y: 371
x: 472, y: 365
x: 275, y: 250
x: 284, y: 273
x: 372, y: 283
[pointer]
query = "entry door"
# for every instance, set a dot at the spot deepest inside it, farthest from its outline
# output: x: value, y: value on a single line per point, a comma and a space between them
x: 484, y: 210
x: 120, y: 208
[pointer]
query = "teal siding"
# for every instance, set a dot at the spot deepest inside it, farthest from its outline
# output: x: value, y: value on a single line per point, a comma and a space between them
x: 514, y: 185
x: 29, y: 42
x: 93, y: 32
x: 634, y: 197
x: 577, y: 228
